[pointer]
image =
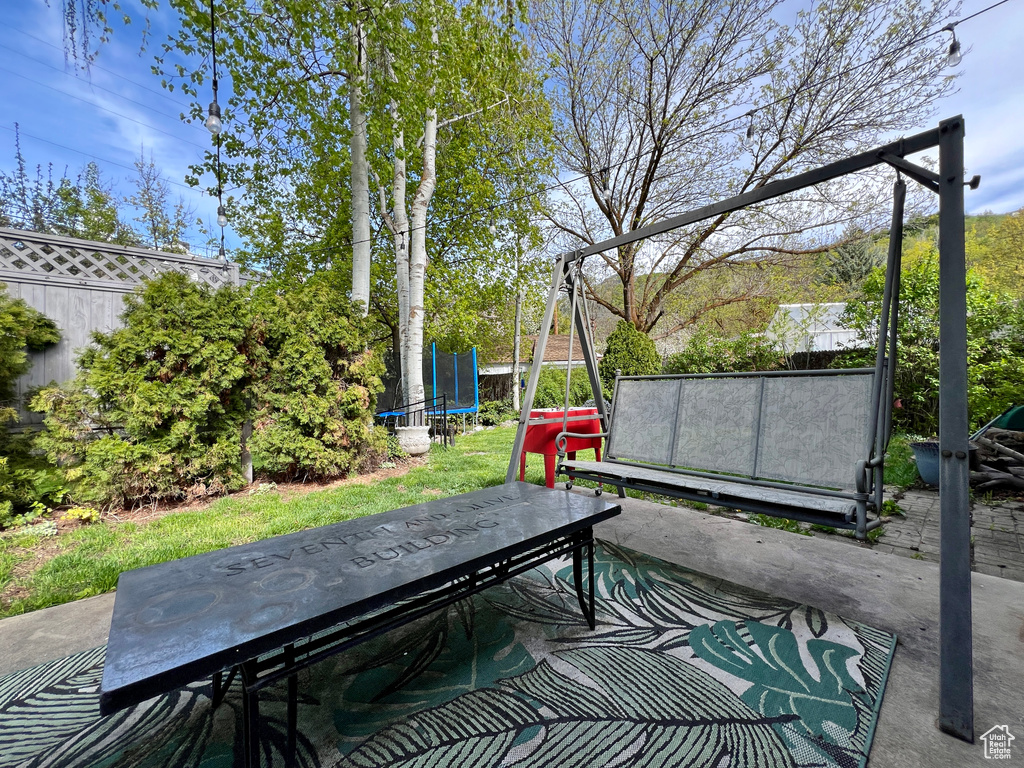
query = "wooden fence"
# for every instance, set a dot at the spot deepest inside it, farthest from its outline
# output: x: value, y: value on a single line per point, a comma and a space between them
x: 80, y: 285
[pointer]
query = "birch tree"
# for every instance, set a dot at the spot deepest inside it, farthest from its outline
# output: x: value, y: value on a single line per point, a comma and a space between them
x: 360, y: 174
x: 417, y: 88
x: 316, y: 85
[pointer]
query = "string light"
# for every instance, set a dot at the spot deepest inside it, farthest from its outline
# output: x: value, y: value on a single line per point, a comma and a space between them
x: 606, y: 189
x: 222, y: 217
x: 748, y: 139
x: 953, y: 55
x: 213, y: 122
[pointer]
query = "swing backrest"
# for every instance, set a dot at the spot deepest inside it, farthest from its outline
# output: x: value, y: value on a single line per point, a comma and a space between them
x: 794, y: 428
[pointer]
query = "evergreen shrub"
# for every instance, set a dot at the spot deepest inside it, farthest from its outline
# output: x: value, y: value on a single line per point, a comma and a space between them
x: 157, y: 408
x: 315, y: 404
x: 28, y: 483
x: 630, y: 351
x: 551, y: 388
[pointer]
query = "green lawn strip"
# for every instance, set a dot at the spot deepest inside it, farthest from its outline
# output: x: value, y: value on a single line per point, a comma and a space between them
x: 900, y: 468
x: 92, y: 557
x: 13, y: 550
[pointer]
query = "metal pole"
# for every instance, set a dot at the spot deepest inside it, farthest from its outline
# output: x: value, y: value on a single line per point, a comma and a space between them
x: 557, y: 278
x: 515, y: 343
x: 568, y: 363
x: 587, y: 343
x: 956, y: 676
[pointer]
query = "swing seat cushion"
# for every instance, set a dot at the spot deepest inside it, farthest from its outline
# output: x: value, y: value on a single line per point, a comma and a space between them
x: 716, y: 491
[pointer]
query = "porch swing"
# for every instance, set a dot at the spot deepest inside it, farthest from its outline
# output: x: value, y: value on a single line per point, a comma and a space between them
x: 804, y: 445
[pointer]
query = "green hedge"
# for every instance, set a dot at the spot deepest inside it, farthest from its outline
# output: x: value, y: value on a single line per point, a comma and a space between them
x: 630, y: 351
x: 157, y: 408
x: 28, y: 484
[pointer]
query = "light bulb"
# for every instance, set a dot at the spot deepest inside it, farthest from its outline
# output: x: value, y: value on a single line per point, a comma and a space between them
x: 606, y: 188
x: 954, y: 56
x: 213, y: 123
x: 222, y: 217
x: 493, y: 229
x: 747, y: 142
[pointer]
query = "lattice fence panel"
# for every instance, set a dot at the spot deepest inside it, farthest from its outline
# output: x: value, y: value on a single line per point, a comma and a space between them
x: 70, y: 259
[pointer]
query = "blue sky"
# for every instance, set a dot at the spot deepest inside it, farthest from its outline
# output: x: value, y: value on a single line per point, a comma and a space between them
x: 69, y: 118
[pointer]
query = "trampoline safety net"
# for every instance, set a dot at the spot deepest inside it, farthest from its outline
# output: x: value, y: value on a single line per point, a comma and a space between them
x: 444, y: 373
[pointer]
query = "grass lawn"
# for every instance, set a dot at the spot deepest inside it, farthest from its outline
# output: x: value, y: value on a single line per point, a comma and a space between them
x: 37, y: 571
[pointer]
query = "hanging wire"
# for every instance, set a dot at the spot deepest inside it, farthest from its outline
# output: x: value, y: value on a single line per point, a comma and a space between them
x: 749, y: 133
x: 213, y: 123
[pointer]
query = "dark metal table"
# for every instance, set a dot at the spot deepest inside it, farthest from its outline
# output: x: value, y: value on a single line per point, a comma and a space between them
x: 269, y: 609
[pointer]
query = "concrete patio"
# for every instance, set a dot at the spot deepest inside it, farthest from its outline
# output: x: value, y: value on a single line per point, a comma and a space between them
x: 880, y: 588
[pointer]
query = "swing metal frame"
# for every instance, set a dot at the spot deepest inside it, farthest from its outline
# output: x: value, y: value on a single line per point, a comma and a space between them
x: 956, y: 679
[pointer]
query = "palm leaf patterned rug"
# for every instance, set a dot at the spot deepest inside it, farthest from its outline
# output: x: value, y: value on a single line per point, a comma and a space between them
x: 683, y: 670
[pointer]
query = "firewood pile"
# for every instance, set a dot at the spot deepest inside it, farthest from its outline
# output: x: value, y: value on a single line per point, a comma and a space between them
x: 1000, y: 460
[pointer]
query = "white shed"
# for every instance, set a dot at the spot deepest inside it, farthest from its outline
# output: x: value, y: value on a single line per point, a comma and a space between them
x: 812, y: 328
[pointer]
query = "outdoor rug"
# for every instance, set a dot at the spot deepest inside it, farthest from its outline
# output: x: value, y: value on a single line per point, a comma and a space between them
x: 682, y: 670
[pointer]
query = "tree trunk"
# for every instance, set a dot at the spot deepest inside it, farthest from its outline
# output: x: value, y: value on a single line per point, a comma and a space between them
x: 360, y: 177
x: 402, y: 238
x: 515, y: 351
x: 418, y: 240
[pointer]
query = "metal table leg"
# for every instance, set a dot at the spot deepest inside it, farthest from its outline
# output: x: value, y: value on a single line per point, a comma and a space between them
x: 250, y: 716
x: 586, y: 541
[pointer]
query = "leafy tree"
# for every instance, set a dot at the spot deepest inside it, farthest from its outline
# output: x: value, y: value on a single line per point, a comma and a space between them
x: 25, y: 202
x: 163, y: 224
x: 630, y: 351
x: 84, y: 207
x: 642, y: 96
x: 995, y: 346
x: 995, y: 247
x: 454, y: 114
x: 707, y: 352
x: 90, y: 210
